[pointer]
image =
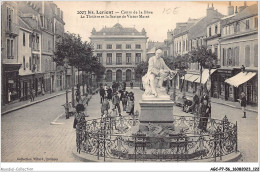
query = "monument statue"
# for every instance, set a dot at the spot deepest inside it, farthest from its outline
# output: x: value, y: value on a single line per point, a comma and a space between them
x: 157, y: 72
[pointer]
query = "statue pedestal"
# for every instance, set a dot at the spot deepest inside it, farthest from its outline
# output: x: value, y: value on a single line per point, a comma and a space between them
x: 156, y: 110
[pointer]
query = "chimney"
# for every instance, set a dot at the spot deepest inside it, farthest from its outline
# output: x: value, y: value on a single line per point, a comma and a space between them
x: 210, y: 10
x: 236, y: 10
x: 230, y: 9
x: 242, y: 7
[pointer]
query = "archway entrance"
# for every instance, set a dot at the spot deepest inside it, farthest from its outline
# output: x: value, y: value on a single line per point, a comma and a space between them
x: 109, y: 76
x: 118, y: 75
x: 128, y: 75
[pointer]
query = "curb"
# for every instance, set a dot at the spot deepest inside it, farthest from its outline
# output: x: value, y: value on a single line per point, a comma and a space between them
x: 250, y: 110
x: 32, y: 103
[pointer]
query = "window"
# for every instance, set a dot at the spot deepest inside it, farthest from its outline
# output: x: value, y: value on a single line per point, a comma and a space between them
x: 99, y: 46
x: 137, y: 58
x: 229, y: 57
x: 30, y: 40
x: 256, y: 22
x: 118, y: 46
x: 118, y: 58
x: 128, y: 46
x: 137, y: 46
x: 24, y: 63
x: 128, y: 58
x: 236, y: 27
x: 30, y: 63
x: 209, y: 31
x: 256, y: 55
x: 237, y: 56
x: 109, y: 58
x: 23, y: 39
x: 10, y: 48
x: 247, y: 24
x: 109, y: 46
x: 224, y: 57
x: 247, y: 56
x: 100, y: 58
x: 9, y: 19
x: 216, y: 29
x: 49, y: 45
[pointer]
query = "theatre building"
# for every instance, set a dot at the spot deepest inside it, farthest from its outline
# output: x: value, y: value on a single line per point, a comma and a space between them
x: 119, y: 49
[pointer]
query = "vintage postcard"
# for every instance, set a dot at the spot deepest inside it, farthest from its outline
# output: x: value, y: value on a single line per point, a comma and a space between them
x: 118, y: 82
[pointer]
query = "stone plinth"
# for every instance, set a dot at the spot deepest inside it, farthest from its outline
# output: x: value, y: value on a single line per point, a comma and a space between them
x: 156, y: 111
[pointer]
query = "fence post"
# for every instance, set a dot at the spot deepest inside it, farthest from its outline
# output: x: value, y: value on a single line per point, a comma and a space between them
x: 98, y: 145
x: 135, y: 148
x: 105, y: 141
x: 236, y: 136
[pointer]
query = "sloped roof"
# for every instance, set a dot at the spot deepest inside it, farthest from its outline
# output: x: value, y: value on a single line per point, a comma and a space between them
x: 199, y: 29
x: 118, y: 29
x: 23, y: 24
x: 247, y: 12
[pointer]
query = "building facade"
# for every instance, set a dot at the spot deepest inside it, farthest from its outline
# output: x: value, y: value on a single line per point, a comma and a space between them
x: 239, y: 46
x: 119, y: 49
x: 9, y: 52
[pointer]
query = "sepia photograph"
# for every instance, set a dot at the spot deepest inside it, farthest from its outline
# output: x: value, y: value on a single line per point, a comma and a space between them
x: 107, y: 85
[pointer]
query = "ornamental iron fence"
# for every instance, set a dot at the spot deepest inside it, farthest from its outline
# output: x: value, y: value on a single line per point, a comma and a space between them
x: 119, y: 138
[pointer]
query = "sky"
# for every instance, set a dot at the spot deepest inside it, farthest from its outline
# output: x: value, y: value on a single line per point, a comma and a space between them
x: 163, y: 15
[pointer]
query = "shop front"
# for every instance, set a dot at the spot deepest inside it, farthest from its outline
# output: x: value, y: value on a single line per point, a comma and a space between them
x: 245, y: 81
x: 10, y: 82
x: 25, y: 84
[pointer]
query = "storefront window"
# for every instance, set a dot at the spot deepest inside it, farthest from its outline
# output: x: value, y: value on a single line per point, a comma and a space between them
x: 231, y: 91
x: 222, y: 89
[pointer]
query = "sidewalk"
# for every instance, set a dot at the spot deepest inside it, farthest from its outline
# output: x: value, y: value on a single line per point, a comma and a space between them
x: 22, y: 104
x: 222, y: 102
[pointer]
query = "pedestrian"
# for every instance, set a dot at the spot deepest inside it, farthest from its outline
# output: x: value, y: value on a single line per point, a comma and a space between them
x: 195, y: 104
x: 130, y: 104
x: 123, y: 98
x: 204, y: 115
x: 116, y: 102
x: 109, y: 93
x: 243, y: 103
x: 102, y: 94
x: 114, y: 87
x: 9, y: 95
x: 131, y: 84
x: 105, y: 107
x: 105, y: 88
x: 124, y: 86
x: 205, y: 96
x: 32, y: 94
x: 77, y: 94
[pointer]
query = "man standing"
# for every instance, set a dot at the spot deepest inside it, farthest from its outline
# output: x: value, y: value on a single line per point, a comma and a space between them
x: 102, y: 94
x: 243, y: 104
x: 116, y: 103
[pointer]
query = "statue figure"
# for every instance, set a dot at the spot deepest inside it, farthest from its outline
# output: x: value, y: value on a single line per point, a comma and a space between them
x: 157, y: 72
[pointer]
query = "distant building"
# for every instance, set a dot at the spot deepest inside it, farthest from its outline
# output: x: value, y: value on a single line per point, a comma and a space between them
x: 153, y: 46
x: 119, y: 49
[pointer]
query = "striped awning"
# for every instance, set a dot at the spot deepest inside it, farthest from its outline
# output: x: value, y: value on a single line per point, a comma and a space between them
x: 192, y: 78
x: 186, y: 76
x: 240, y: 78
x: 205, y: 75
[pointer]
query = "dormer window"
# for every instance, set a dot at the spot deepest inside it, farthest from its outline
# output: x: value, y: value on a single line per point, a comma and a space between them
x: 216, y: 29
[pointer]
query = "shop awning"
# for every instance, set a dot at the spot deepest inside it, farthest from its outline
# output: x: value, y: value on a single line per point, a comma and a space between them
x: 240, y: 78
x: 192, y: 78
x: 205, y: 75
x: 187, y: 76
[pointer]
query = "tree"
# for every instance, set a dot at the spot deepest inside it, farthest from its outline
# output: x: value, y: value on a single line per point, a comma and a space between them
x: 140, y: 70
x: 76, y: 52
x: 180, y: 63
x: 205, y: 58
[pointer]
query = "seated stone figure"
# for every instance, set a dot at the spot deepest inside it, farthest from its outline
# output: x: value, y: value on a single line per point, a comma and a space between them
x: 157, y: 72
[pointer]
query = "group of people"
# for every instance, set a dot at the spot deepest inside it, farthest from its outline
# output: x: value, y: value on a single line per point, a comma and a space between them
x: 200, y: 106
x: 117, y: 95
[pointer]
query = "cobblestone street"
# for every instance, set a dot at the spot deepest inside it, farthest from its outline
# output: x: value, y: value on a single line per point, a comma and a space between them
x: 27, y: 133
